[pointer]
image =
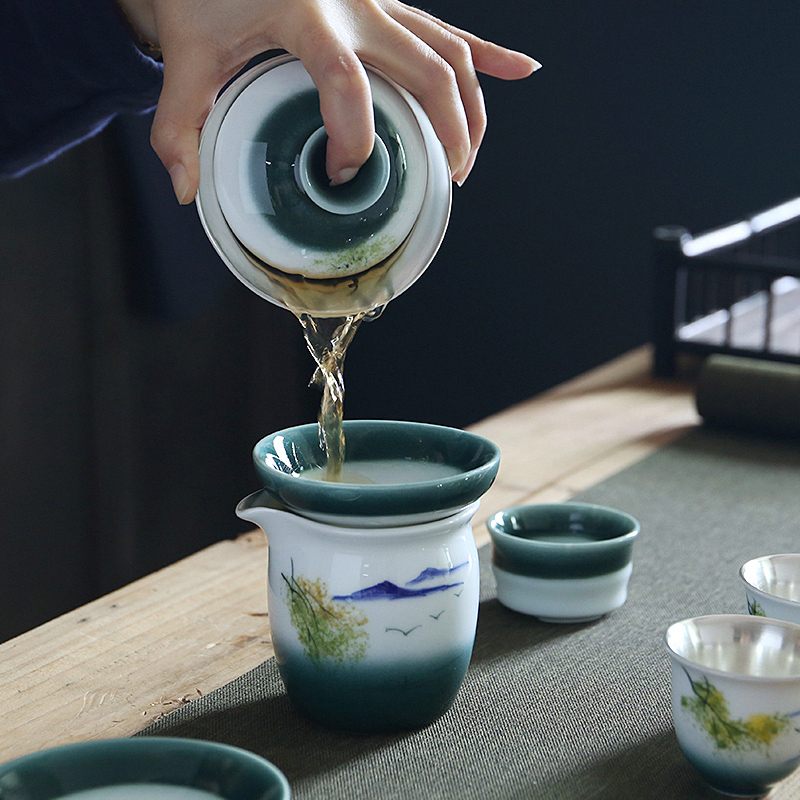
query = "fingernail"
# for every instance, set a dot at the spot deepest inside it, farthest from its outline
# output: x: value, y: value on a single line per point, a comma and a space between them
x: 536, y: 64
x: 180, y: 181
x: 347, y: 174
x: 462, y: 176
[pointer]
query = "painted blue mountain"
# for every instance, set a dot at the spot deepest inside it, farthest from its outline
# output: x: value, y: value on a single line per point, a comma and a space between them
x: 432, y: 572
x: 386, y: 590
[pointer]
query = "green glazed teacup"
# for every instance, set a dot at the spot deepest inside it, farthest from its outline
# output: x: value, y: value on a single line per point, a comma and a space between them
x: 562, y: 562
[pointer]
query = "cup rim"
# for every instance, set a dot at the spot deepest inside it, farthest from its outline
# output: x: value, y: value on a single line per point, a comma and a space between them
x: 775, y: 598
x: 733, y: 618
x: 552, y: 546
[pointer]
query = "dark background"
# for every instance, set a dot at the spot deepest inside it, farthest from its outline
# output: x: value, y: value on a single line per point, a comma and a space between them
x: 136, y: 373
x: 642, y: 114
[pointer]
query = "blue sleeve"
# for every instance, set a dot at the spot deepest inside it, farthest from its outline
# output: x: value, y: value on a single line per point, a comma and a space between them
x: 67, y: 67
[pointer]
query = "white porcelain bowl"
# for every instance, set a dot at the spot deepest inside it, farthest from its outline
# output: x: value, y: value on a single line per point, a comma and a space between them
x: 268, y: 208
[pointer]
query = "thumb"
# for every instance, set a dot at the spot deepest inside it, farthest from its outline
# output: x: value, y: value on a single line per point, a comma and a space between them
x: 186, y: 100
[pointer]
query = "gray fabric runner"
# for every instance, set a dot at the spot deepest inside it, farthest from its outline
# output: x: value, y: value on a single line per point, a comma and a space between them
x: 556, y: 711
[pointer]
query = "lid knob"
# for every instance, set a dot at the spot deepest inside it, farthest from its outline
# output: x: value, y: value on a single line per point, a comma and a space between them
x: 358, y: 194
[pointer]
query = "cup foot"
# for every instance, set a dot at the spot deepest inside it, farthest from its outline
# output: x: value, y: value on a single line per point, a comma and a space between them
x: 570, y: 620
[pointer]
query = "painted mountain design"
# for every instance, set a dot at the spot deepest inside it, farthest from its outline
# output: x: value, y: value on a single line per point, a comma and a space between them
x: 386, y: 590
x: 431, y: 573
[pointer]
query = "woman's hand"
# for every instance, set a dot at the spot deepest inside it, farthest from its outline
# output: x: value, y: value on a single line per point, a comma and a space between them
x: 204, y: 43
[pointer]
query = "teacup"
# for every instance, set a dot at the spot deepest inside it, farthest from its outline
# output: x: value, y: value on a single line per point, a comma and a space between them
x: 562, y: 562
x: 144, y: 768
x: 736, y: 699
x: 772, y: 586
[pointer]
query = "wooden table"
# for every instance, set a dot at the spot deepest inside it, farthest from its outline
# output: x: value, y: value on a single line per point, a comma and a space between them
x: 110, y: 668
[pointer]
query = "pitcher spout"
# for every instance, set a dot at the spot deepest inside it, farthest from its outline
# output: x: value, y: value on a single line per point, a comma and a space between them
x: 259, y: 508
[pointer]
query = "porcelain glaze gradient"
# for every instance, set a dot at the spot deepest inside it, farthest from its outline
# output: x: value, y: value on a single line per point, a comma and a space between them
x: 269, y: 210
x: 142, y: 768
x: 373, y: 628
x: 562, y: 562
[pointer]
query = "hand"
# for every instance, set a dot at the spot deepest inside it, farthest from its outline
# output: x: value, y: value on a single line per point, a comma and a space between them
x: 204, y: 43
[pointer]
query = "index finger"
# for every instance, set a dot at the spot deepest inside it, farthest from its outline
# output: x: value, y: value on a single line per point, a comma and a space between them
x: 489, y: 58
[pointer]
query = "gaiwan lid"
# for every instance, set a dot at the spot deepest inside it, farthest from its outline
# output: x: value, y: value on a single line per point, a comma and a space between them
x: 266, y: 202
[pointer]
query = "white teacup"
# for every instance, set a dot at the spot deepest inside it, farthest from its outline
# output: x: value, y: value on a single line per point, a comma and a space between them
x: 736, y: 699
x: 772, y: 586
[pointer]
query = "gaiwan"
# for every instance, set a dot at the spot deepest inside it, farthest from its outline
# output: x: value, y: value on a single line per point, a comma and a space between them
x: 267, y: 206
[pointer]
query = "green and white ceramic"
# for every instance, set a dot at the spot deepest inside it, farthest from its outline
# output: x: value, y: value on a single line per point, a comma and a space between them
x: 562, y: 562
x: 441, y: 470
x: 267, y: 205
x: 736, y: 699
x: 373, y: 589
x: 147, y: 768
x: 772, y: 586
x: 373, y: 627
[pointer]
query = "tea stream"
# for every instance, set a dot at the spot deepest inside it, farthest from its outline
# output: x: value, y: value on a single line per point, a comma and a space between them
x: 327, y: 340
